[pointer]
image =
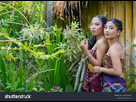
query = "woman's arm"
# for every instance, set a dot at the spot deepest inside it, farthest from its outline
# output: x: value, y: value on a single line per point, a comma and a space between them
x: 117, y: 69
x: 101, y: 49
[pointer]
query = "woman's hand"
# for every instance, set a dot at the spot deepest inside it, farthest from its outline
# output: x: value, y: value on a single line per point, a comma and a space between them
x: 96, y: 69
x: 84, y: 45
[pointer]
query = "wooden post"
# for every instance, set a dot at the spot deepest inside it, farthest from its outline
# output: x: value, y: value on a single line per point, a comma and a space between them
x: 117, y: 9
x: 113, y: 8
x: 94, y: 8
x: 128, y: 33
x: 122, y: 18
x: 105, y: 13
x: 49, y: 15
x: 89, y: 13
x: 134, y: 35
x: 85, y: 18
x: 100, y: 7
x: 45, y: 13
x: 109, y: 9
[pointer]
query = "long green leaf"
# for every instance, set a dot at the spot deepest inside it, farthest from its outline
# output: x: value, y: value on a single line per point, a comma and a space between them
x: 20, y: 65
x: 3, y: 67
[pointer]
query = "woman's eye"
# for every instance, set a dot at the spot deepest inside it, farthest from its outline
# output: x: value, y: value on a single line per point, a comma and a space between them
x: 105, y: 27
x: 111, y: 28
x: 97, y: 24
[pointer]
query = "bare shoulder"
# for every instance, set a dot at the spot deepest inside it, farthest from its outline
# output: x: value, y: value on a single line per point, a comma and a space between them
x: 103, y: 43
x: 117, y: 49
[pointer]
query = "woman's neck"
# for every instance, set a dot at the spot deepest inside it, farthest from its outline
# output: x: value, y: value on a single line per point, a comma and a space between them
x: 113, y: 41
x: 98, y: 37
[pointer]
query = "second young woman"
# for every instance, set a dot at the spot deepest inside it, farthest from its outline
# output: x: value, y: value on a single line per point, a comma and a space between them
x: 114, y: 60
x: 91, y: 82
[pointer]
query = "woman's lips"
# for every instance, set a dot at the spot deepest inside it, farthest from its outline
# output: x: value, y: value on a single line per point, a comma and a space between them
x: 93, y: 31
x: 107, y: 34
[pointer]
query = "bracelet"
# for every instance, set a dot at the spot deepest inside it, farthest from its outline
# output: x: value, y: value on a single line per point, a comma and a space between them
x: 99, y: 69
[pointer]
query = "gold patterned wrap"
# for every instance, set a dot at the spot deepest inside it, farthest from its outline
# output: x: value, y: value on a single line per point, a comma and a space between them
x: 90, y: 66
x: 122, y: 75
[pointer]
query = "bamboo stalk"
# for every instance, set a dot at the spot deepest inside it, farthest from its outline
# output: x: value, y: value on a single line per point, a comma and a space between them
x: 122, y: 18
x: 100, y: 7
x: 18, y: 24
x: 89, y: 17
x: 18, y: 11
x: 105, y: 13
x: 82, y: 76
x: 80, y: 13
x: 117, y: 9
x: 128, y: 33
x: 134, y: 29
x: 84, y: 16
x: 45, y: 13
x: 111, y: 6
x: 120, y: 9
x: 109, y: 9
x: 72, y: 66
x: 78, y: 74
x: 93, y: 9
x: 13, y: 10
x: 114, y: 8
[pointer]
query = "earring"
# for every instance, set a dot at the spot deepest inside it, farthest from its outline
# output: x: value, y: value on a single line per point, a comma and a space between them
x: 118, y: 34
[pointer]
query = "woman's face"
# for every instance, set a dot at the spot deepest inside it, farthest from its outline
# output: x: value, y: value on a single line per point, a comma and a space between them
x: 110, y: 30
x: 96, y: 26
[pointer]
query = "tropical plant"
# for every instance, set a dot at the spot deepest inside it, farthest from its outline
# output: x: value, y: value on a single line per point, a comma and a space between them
x: 56, y: 89
x: 73, y: 36
x: 58, y: 75
x: 132, y: 76
x: 31, y: 57
x: 13, y: 79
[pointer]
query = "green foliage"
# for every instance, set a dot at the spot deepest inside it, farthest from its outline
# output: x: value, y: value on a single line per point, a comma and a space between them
x: 132, y: 76
x: 34, y: 34
x: 58, y: 76
x: 12, y: 78
x: 16, y: 15
x: 134, y: 45
x: 32, y: 58
x: 69, y: 88
x: 73, y: 36
x: 56, y: 89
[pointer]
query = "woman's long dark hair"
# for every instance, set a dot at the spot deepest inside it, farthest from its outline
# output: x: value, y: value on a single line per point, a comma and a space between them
x: 93, y: 40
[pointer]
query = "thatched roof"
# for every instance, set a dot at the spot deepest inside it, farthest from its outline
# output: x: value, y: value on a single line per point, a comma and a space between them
x: 66, y: 7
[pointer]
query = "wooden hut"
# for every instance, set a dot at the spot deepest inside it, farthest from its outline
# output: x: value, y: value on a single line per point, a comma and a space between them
x: 83, y: 11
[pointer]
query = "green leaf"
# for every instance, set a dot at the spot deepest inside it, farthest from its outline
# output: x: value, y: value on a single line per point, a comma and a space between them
x: 16, y: 84
x: 134, y: 45
x: 126, y: 54
x: 35, y: 89
x: 133, y: 86
x: 8, y: 87
x: 132, y: 75
x: 20, y: 89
